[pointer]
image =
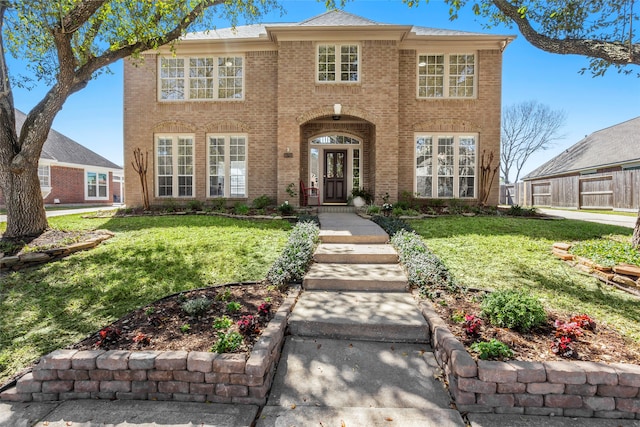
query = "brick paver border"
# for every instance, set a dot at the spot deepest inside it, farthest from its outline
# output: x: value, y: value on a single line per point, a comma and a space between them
x: 570, y: 389
x: 194, y: 376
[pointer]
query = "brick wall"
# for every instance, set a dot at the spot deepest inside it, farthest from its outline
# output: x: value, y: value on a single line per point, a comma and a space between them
x: 284, y: 107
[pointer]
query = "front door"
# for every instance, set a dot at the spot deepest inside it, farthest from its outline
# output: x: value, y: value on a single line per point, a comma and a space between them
x: 335, y: 173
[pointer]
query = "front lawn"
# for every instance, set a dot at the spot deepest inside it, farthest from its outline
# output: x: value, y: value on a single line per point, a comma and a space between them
x: 59, y: 303
x: 515, y: 253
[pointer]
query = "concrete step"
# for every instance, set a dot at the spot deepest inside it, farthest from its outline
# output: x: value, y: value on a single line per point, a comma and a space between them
x: 348, y: 253
x: 367, y: 316
x: 273, y: 416
x: 356, y: 277
x: 347, y: 236
x: 349, y: 228
x: 335, y: 378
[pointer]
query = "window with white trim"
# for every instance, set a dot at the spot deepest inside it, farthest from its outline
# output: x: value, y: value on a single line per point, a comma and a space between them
x: 174, y: 170
x: 201, y: 78
x: 227, y: 159
x: 447, y: 75
x: 97, y: 185
x: 338, y: 63
x: 446, y: 165
x: 44, y: 175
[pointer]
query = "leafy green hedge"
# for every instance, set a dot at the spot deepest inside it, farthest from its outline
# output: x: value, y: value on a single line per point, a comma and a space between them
x: 294, y: 261
x: 391, y: 224
x: 424, y: 269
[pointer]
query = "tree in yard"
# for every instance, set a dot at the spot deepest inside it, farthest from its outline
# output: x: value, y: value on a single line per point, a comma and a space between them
x: 527, y: 127
x: 65, y: 44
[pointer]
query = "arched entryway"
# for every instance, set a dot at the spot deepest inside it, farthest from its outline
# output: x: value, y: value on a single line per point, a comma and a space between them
x: 335, y: 158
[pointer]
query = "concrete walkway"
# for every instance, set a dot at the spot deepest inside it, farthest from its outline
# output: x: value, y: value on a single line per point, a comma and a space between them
x: 611, y: 219
x: 73, y: 210
x: 355, y: 357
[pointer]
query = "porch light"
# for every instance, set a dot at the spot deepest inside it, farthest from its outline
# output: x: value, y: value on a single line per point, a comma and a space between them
x: 337, y: 110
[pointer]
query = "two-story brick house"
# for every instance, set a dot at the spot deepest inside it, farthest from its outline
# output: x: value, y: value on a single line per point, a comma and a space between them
x: 337, y: 102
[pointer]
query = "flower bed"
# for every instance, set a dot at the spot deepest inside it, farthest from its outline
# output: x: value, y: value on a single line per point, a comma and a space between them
x: 159, y: 375
x: 558, y: 388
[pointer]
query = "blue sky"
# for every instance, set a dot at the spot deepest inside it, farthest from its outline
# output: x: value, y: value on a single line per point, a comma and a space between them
x: 93, y: 116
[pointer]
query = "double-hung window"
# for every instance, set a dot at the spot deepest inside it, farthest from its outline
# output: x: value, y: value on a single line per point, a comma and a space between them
x: 201, y: 78
x: 97, y: 185
x: 44, y: 175
x: 447, y: 76
x: 227, y: 165
x: 174, y: 163
x: 446, y: 165
x: 338, y: 63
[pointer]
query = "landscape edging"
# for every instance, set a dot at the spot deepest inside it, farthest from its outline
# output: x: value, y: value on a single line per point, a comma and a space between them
x: 559, y: 388
x: 29, y: 259
x: 195, y: 376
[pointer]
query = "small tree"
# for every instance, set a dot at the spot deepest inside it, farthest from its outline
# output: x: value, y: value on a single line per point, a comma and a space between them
x: 527, y: 127
x: 140, y: 165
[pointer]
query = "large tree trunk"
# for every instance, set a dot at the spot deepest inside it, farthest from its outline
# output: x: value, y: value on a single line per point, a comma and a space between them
x: 18, y: 172
x: 635, y: 240
x: 25, y: 208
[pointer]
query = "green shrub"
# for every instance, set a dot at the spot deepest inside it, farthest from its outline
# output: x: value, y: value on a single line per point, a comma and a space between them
x: 195, y: 205
x: 286, y: 208
x: 240, y: 209
x: 262, y: 202
x: 309, y: 218
x: 390, y: 224
x: 514, y: 310
x: 293, y: 262
x: 233, y: 306
x: 170, y: 205
x: 223, y: 322
x: 373, y: 210
x: 517, y: 210
x: 227, y: 342
x: 218, y: 204
x: 493, y: 349
x: 197, y: 306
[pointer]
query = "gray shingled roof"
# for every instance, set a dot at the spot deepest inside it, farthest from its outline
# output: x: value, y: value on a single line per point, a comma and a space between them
x: 332, y: 18
x: 65, y: 150
x: 612, y: 146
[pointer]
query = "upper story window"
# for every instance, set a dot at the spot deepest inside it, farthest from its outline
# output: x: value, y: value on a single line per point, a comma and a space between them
x: 447, y: 76
x: 201, y: 78
x: 338, y: 63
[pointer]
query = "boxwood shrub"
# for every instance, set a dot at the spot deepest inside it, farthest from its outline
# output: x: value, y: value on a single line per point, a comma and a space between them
x: 296, y: 257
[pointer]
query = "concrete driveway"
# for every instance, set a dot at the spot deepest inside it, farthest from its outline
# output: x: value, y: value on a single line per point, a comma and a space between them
x: 621, y: 220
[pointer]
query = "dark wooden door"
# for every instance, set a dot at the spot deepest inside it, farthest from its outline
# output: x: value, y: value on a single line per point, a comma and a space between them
x: 335, y: 176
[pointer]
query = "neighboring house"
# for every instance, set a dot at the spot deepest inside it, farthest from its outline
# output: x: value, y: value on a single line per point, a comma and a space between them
x: 72, y: 174
x: 336, y: 102
x: 602, y: 171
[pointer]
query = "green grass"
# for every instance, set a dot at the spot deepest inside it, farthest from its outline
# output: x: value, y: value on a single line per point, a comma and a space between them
x: 59, y: 303
x: 515, y: 253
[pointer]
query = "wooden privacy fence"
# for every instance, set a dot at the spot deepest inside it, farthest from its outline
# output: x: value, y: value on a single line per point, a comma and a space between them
x: 611, y: 190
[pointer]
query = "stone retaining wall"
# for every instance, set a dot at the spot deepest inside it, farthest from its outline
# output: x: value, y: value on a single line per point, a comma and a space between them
x: 29, y: 259
x: 570, y: 389
x: 159, y: 375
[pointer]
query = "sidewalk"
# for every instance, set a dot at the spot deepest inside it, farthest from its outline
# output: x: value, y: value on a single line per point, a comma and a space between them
x: 620, y: 220
x: 326, y: 376
x: 70, y: 211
